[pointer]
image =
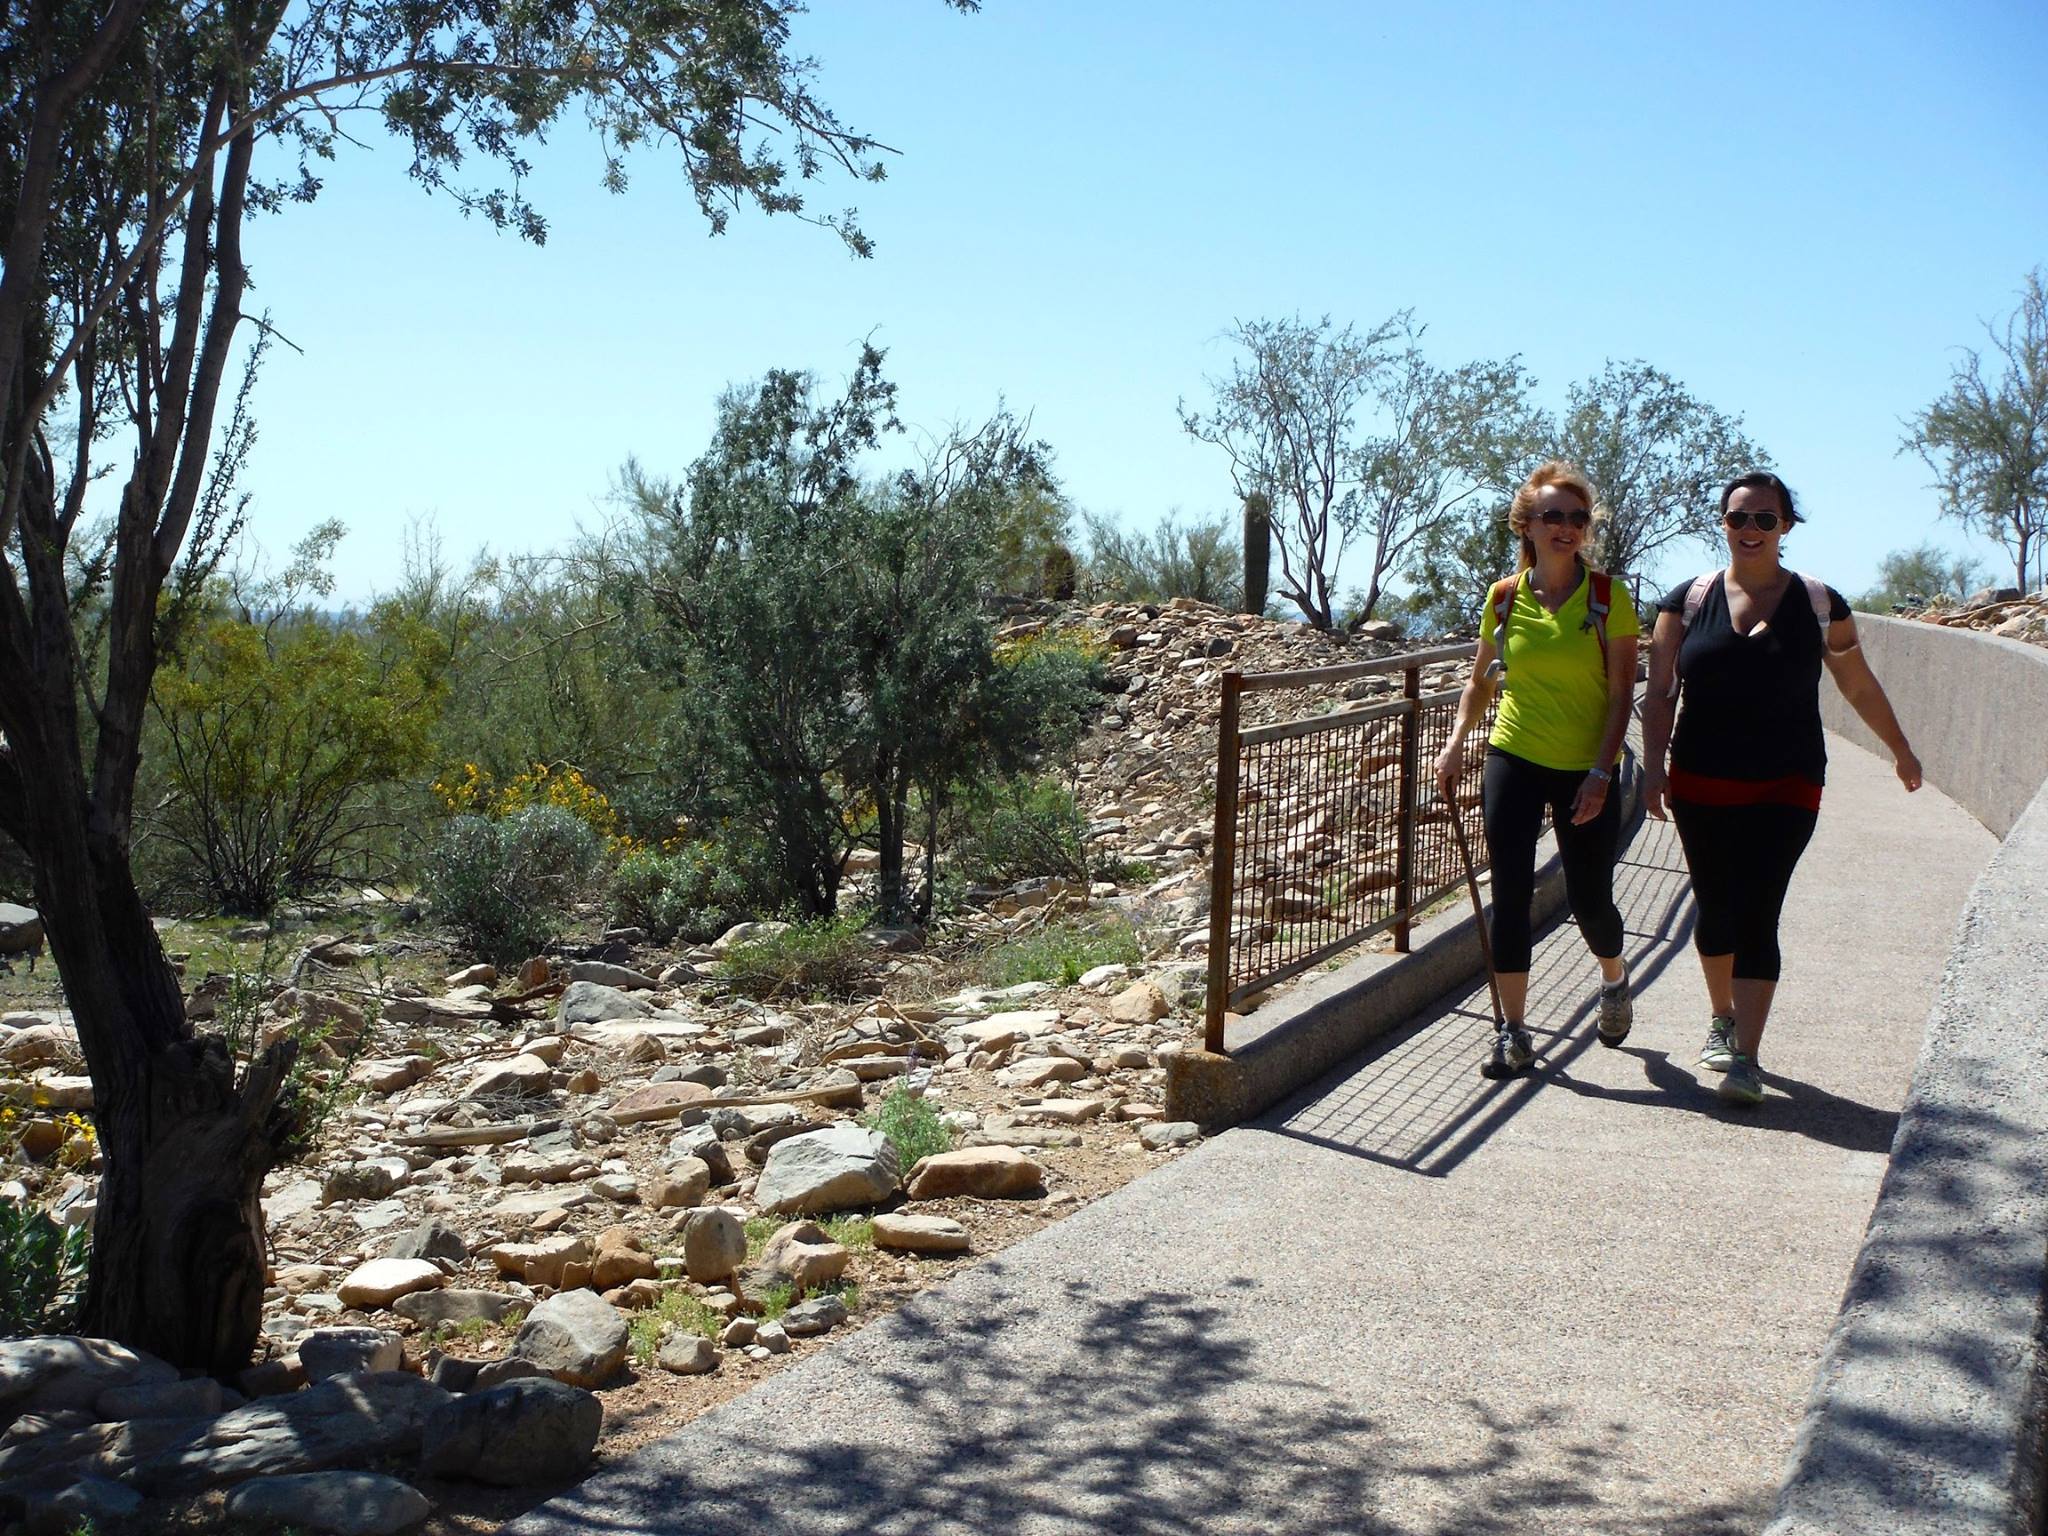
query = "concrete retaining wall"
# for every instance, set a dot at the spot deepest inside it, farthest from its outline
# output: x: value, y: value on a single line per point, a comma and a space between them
x: 1927, y: 1413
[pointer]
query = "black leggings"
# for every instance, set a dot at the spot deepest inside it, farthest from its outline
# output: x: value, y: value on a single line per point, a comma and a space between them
x: 1516, y: 791
x: 1742, y: 858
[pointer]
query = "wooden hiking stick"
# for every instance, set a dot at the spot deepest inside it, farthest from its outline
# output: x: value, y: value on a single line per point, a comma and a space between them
x: 1500, y: 1016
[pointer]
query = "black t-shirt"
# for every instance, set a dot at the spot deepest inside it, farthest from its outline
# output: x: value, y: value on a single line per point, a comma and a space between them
x: 1751, y: 703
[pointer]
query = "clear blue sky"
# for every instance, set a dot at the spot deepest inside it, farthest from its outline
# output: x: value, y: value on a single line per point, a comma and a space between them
x: 1797, y: 209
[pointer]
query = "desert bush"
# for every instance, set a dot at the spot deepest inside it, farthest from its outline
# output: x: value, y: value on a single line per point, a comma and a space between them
x: 506, y: 885
x: 1020, y: 829
x: 696, y: 891
x: 912, y: 1126
x: 1202, y: 560
x: 42, y: 1271
x: 830, y: 958
x: 1060, y: 953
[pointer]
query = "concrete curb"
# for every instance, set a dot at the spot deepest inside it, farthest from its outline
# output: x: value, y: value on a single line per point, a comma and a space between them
x: 1926, y: 1416
x: 1296, y: 1040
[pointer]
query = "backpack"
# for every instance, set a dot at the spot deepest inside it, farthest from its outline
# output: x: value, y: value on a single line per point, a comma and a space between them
x: 1599, y: 598
x: 1696, y: 597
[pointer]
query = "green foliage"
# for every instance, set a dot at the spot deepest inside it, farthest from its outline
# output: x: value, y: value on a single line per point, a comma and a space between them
x: 1913, y: 578
x: 317, y: 1086
x: 272, y: 739
x: 1986, y: 437
x: 759, y: 1230
x: 913, y: 1127
x: 1451, y: 568
x: 856, y: 1233
x: 1018, y: 829
x: 694, y: 892
x: 828, y: 958
x: 776, y: 1300
x: 827, y: 634
x: 1030, y: 556
x: 677, y: 1311
x: 1060, y: 953
x: 1657, y: 454
x: 42, y: 1271
x: 1198, y: 560
x: 506, y: 885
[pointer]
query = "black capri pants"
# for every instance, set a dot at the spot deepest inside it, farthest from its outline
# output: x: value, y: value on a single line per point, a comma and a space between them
x: 1742, y: 858
x: 1515, y: 793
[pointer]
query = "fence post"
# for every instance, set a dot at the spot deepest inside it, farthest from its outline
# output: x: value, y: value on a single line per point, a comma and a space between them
x: 1222, y: 864
x: 1404, y: 827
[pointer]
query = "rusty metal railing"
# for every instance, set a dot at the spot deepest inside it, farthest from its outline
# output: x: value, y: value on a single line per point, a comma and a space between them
x: 1327, y: 826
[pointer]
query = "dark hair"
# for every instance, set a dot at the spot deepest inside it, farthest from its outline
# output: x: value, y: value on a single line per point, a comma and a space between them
x: 1762, y: 480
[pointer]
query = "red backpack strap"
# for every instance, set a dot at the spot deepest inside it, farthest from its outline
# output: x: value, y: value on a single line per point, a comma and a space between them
x: 1599, y: 598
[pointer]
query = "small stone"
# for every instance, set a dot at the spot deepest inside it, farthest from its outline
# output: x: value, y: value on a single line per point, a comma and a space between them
x: 584, y: 1081
x: 602, y: 973
x: 545, y: 1263
x: 586, y: 1002
x: 433, y: 1308
x: 619, y: 1259
x: 714, y: 1244
x: 382, y: 1281
x: 326, y: 1352
x: 772, y: 1337
x: 576, y: 1337
x: 1040, y: 1071
x: 342, y: 1503
x: 684, y: 1184
x: 1168, y: 1133
x: 911, y: 1233
x: 533, y: 973
x: 978, y: 1172
x: 688, y: 1354
x: 820, y: 1314
x: 804, y: 1255
x: 1140, y: 1003
x: 738, y: 1333
x: 431, y: 1239
x: 642, y: 1049
x: 483, y: 975
x: 658, y: 1101
x: 524, y: 1076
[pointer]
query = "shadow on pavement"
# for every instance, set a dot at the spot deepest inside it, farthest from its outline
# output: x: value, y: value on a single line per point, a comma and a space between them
x: 1145, y: 1415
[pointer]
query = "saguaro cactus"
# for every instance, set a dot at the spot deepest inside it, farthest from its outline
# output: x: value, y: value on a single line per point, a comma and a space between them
x: 1258, y: 549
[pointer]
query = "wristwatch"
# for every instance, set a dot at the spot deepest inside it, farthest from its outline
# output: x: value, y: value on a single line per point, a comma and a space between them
x: 1599, y: 773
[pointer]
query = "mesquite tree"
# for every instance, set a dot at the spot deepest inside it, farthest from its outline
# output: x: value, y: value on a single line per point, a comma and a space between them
x: 138, y: 138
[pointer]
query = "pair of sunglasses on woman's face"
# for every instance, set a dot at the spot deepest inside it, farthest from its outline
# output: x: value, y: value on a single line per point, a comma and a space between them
x: 1763, y: 522
x: 1557, y: 517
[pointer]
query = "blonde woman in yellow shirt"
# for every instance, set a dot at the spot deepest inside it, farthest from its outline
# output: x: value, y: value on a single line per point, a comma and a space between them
x: 1566, y: 635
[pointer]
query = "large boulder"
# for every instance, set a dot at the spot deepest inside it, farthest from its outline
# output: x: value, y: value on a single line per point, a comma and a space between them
x: 343, y: 1422
x: 910, y: 1233
x: 51, y: 1374
x: 835, y: 1169
x: 984, y: 1173
x: 532, y: 1431
x: 590, y: 1002
x: 21, y: 930
x: 575, y: 1336
x: 340, y: 1503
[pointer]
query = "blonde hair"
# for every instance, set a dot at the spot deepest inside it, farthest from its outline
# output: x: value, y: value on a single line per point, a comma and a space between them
x: 1554, y: 472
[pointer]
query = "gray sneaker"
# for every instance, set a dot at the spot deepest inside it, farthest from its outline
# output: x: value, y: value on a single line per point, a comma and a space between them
x: 1744, y: 1084
x: 1617, y: 1013
x: 1720, y: 1047
x: 1512, y: 1051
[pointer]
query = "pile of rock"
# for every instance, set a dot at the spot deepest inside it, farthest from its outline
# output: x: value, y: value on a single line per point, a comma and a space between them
x: 2002, y: 611
x: 93, y: 1430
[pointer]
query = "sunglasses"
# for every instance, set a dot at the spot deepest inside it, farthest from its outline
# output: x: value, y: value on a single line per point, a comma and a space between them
x: 1557, y: 517
x: 1763, y: 522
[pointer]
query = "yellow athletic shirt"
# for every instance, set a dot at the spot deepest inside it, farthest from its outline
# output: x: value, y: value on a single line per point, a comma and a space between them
x: 1553, y: 706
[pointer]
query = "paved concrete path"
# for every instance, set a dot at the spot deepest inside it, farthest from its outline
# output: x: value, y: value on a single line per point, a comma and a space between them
x: 1411, y: 1301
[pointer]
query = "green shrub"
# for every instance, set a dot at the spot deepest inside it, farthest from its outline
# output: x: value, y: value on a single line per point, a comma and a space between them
x: 913, y: 1127
x: 42, y: 1271
x: 506, y: 885
x: 1019, y: 830
x: 1059, y: 953
x: 831, y: 958
x: 695, y: 892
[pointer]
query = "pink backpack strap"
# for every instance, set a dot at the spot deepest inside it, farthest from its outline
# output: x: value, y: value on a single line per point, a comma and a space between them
x: 1695, y: 599
x: 1822, y: 604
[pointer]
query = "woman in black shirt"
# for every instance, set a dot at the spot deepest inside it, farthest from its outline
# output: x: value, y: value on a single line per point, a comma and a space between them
x: 1748, y: 758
